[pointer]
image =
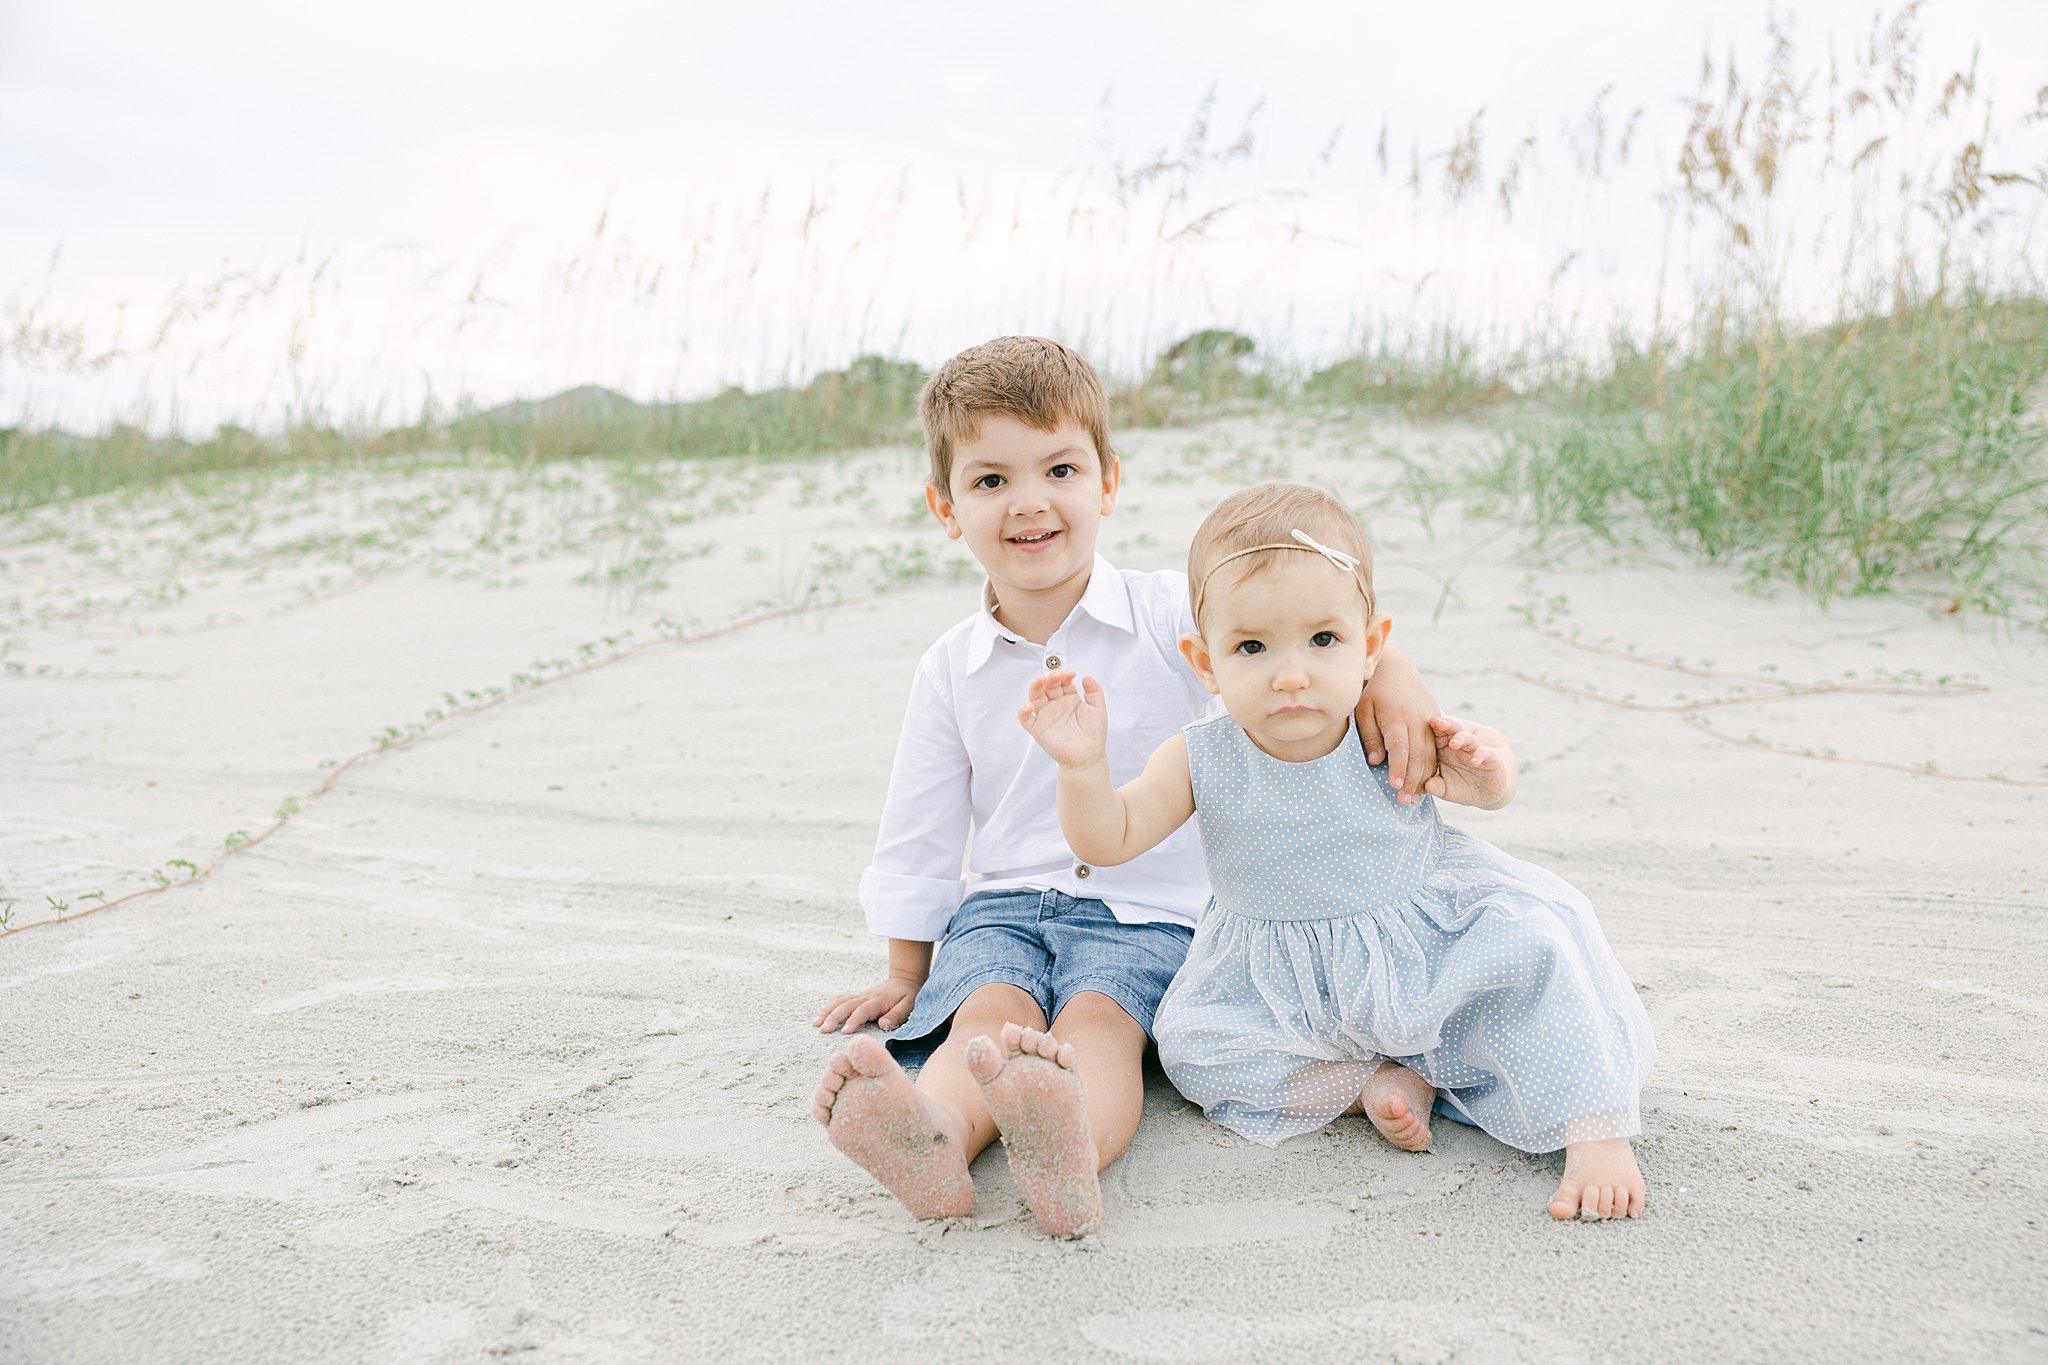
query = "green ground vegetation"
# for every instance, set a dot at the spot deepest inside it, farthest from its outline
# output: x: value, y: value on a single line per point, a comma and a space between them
x: 1849, y: 459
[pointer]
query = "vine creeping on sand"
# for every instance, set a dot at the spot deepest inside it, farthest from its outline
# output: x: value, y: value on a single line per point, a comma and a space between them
x: 1773, y: 689
x: 596, y: 655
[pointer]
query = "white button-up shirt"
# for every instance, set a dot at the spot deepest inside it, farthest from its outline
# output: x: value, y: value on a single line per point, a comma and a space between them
x: 964, y: 764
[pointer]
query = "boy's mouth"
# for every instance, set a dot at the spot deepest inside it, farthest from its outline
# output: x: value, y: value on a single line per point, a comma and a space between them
x: 1030, y: 538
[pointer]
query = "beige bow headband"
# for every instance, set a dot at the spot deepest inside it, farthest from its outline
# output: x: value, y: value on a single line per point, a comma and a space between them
x: 1347, y: 563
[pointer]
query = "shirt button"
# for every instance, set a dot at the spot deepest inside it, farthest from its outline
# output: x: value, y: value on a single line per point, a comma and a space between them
x: 1052, y: 661
x: 1081, y: 870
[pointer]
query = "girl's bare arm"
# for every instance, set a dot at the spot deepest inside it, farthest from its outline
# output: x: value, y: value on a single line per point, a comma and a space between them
x: 1108, y: 825
x: 1104, y: 824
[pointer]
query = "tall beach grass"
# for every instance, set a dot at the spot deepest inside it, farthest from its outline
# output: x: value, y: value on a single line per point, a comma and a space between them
x: 1814, y: 347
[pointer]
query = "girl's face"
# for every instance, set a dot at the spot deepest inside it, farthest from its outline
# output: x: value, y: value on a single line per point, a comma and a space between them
x: 1289, y: 649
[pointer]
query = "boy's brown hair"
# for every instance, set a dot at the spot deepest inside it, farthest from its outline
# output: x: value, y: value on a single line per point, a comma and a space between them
x: 1035, y: 380
x: 1251, y: 528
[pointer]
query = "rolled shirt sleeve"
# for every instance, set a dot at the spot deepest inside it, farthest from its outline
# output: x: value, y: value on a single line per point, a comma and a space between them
x: 914, y: 885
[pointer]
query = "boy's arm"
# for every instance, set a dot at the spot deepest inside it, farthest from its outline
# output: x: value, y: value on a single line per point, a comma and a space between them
x: 912, y: 887
x: 1477, y: 766
x: 1104, y: 824
x: 1393, y: 721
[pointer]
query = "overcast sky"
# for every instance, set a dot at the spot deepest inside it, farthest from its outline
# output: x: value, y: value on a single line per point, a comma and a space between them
x: 155, y: 142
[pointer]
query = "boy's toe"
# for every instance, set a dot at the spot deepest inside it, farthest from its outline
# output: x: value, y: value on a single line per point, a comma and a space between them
x: 866, y: 1056
x: 984, y: 1059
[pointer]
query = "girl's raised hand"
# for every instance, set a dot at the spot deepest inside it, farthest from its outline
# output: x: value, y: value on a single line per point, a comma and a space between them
x: 1069, y: 721
x: 1474, y: 763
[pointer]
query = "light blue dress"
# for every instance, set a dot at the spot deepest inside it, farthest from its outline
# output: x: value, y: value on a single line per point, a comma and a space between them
x: 1347, y: 928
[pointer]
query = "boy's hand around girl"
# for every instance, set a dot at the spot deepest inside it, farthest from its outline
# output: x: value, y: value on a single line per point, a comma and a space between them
x: 1393, y: 724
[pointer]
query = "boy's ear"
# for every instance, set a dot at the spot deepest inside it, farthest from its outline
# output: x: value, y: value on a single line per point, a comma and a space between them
x: 1376, y: 641
x: 941, y: 508
x: 1197, y: 654
x: 1112, y: 479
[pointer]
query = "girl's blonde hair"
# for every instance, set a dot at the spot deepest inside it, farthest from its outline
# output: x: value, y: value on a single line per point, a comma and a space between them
x: 1252, y: 528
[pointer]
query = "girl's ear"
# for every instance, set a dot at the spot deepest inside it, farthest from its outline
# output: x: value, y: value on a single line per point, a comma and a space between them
x: 1197, y: 654
x: 1376, y: 641
x: 941, y: 508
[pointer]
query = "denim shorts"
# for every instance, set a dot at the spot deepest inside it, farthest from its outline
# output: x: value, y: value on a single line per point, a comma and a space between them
x: 1050, y: 945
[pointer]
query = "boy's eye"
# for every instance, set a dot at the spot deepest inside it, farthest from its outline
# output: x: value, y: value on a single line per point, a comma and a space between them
x: 988, y: 481
x: 1250, y: 647
x: 1323, y: 639
x: 1064, y: 471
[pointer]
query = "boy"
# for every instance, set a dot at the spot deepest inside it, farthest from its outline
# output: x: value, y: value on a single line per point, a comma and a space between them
x: 1043, y: 987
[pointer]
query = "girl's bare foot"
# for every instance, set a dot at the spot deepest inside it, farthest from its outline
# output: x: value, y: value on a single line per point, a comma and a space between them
x: 1601, y: 1180
x: 874, y: 1115
x: 1035, y: 1098
x: 1398, y: 1102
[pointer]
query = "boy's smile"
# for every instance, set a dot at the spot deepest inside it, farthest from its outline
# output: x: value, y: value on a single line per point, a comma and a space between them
x: 1028, y: 503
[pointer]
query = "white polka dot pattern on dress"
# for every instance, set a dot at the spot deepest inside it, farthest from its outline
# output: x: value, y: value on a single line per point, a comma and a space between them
x: 1348, y: 928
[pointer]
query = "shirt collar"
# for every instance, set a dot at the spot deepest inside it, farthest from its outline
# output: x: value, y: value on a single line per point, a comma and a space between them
x: 1107, y: 599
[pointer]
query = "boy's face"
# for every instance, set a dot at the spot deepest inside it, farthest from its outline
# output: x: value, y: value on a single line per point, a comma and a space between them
x: 1028, y: 503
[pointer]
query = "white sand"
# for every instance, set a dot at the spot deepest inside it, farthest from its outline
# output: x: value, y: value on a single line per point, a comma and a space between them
x: 500, y: 1049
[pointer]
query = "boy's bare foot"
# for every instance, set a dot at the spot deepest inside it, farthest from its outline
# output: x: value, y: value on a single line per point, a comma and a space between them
x: 1398, y: 1102
x: 1601, y: 1180
x: 874, y: 1115
x: 1035, y: 1098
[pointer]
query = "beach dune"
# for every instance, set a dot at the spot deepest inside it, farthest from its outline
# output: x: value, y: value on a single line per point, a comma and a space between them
x: 500, y: 1047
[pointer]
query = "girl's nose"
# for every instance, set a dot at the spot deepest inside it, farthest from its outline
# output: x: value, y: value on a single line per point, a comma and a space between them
x: 1290, y: 678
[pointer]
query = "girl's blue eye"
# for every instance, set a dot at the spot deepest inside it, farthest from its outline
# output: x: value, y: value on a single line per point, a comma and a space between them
x: 1322, y: 639
x: 989, y: 481
x: 1251, y: 647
